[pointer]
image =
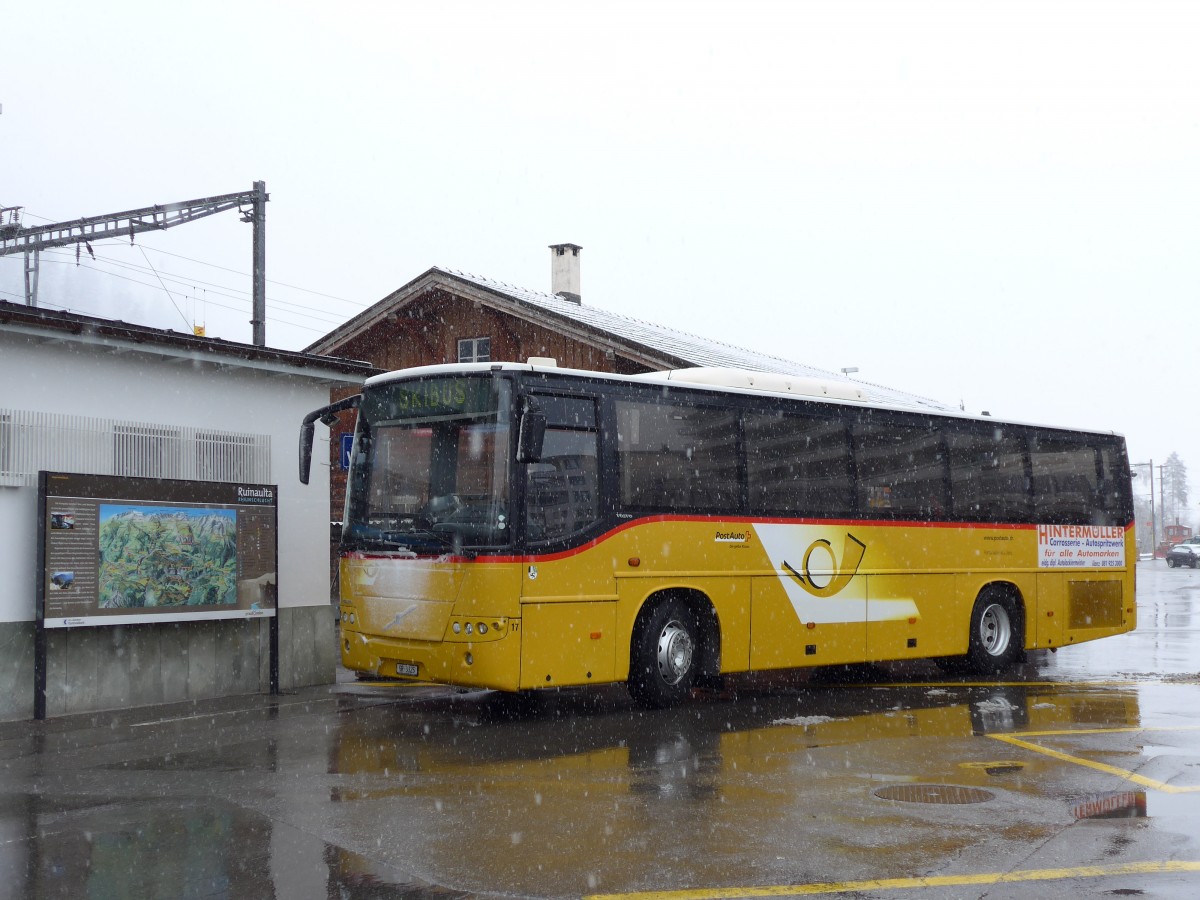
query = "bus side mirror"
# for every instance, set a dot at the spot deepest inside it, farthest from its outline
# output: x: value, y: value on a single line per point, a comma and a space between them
x: 306, y: 441
x: 531, y: 435
x: 327, y: 415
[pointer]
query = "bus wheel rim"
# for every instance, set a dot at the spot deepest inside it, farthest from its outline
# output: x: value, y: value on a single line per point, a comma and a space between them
x: 995, y: 629
x: 675, y: 649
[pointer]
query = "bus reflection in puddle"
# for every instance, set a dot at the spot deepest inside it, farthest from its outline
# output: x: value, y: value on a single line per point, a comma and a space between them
x: 689, y: 752
x: 1119, y: 805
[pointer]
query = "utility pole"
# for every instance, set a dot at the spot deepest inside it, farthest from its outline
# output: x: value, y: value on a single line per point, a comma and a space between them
x: 1153, y: 518
x: 258, y: 315
x: 11, y: 228
x: 31, y: 275
x: 31, y: 241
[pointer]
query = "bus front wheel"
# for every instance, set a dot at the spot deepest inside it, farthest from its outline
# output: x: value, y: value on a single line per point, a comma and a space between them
x: 665, y: 653
x: 996, y: 636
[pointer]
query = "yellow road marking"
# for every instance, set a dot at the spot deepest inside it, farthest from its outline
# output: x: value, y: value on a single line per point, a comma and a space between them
x: 1127, y: 774
x: 990, y: 684
x: 929, y: 881
x: 1123, y: 729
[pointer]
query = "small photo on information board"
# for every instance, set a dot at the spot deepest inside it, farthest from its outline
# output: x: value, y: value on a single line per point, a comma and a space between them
x: 116, y: 550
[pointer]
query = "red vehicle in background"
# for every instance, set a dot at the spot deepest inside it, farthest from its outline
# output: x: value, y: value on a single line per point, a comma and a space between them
x: 1172, y: 535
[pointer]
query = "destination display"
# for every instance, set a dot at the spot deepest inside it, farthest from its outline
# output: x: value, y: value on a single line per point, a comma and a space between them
x: 120, y: 550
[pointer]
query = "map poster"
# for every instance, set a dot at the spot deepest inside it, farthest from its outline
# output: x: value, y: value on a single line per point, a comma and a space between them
x: 116, y: 550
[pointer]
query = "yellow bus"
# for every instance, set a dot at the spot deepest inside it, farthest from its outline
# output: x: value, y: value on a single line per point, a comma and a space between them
x: 519, y: 526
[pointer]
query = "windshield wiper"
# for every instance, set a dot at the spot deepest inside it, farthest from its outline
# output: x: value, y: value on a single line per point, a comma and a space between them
x: 365, y: 537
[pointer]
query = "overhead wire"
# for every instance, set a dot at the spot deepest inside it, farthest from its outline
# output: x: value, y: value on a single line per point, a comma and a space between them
x: 164, y: 287
x: 231, y: 293
x: 300, y: 309
x: 237, y: 293
x: 210, y: 302
x: 294, y: 287
x: 303, y: 309
x: 201, y: 262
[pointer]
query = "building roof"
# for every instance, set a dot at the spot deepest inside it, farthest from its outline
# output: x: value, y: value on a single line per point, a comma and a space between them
x: 17, y: 318
x: 656, y: 346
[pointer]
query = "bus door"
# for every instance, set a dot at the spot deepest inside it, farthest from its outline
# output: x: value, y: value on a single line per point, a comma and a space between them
x: 568, y: 594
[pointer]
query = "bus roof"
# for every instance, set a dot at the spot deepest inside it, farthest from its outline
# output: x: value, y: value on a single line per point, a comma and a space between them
x: 720, y: 380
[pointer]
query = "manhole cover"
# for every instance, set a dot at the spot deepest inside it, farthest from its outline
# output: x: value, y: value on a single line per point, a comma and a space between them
x: 933, y: 793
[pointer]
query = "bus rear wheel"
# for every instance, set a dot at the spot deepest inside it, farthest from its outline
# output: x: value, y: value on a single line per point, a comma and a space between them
x: 664, y: 654
x: 996, y: 641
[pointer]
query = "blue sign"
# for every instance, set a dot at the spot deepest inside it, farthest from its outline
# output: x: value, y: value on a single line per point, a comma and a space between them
x: 347, y: 444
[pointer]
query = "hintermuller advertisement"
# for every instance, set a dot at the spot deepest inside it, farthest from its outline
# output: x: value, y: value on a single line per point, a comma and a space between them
x: 1080, y: 546
x: 118, y: 550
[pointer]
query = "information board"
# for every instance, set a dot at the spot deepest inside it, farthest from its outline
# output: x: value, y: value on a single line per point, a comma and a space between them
x: 116, y: 550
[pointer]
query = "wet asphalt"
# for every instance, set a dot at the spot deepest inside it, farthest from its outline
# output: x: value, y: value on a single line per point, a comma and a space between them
x: 1077, y: 774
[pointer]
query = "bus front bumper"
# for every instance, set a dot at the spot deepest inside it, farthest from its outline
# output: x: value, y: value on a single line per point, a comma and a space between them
x: 491, y: 659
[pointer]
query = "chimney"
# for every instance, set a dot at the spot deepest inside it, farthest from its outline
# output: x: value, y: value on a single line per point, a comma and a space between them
x: 564, y: 271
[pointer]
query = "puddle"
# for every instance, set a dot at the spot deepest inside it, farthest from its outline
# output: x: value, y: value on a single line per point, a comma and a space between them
x: 164, y: 848
x: 1119, y: 805
x: 1138, y: 805
x: 248, y: 756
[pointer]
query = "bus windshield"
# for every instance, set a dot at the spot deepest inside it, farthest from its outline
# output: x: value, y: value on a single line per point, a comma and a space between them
x: 430, y: 466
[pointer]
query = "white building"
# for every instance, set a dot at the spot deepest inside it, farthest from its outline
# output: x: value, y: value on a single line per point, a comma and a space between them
x: 93, y: 396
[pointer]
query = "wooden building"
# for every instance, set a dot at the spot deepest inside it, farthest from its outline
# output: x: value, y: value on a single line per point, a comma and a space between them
x: 446, y: 316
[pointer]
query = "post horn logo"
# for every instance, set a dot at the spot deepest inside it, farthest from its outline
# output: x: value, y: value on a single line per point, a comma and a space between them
x: 852, y: 555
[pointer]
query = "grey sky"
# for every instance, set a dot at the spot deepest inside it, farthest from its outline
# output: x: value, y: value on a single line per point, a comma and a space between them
x: 997, y: 203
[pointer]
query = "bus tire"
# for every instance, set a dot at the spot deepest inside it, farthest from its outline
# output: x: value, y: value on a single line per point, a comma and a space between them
x: 997, y: 632
x: 664, y: 654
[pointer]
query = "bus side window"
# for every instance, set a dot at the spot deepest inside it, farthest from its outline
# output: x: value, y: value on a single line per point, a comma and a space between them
x: 673, y: 456
x: 798, y: 465
x: 901, y: 470
x: 1065, y: 481
x: 987, y: 474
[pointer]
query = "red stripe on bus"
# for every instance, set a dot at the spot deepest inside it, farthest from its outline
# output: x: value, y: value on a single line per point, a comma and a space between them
x: 747, y: 520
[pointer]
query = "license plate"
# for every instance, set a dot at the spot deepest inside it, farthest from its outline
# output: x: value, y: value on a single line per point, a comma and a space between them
x: 406, y: 669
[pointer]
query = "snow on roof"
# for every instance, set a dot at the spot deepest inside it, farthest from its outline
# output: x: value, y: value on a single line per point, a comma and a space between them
x: 688, y: 349
x: 19, y: 318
